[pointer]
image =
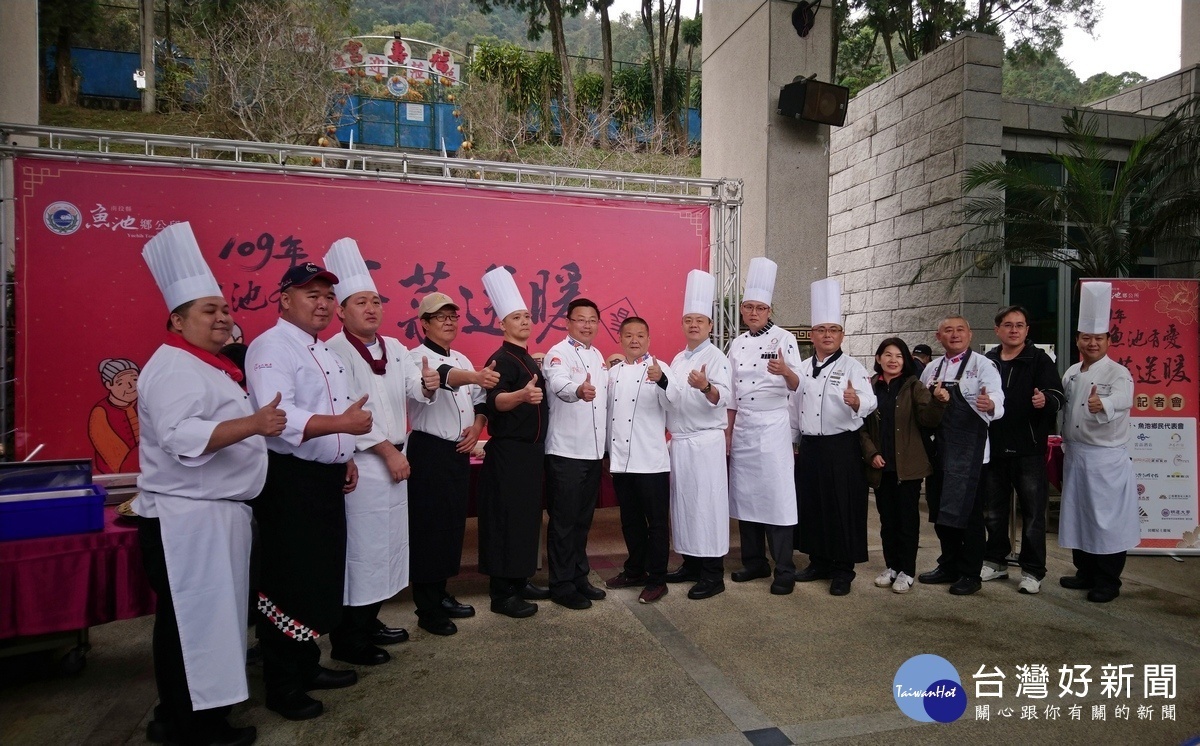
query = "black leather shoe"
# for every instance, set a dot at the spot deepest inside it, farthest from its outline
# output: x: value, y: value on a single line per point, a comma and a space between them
x: 683, y: 575
x: 811, y: 573
x: 533, y: 592
x: 591, y: 592
x: 327, y: 678
x: 514, y: 606
x: 231, y: 736
x: 573, y: 600
x: 749, y: 573
x: 706, y: 589
x: 295, y: 705
x: 965, y: 586
x: 443, y: 627
x: 389, y: 636
x: 1102, y: 595
x: 937, y: 576
x: 839, y: 587
x: 1076, y: 583
x: 368, y: 656
x: 782, y: 586
x: 456, y: 610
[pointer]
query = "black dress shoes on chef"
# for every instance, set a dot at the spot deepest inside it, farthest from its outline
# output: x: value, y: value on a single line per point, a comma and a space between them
x: 455, y: 610
x: 229, y: 736
x: 591, y: 592
x: 533, y: 592
x: 783, y: 585
x: 811, y: 573
x: 937, y: 576
x: 367, y: 656
x: 683, y: 575
x: 1076, y: 583
x: 514, y: 606
x: 443, y: 627
x: 573, y: 600
x: 839, y: 587
x: 295, y: 705
x: 750, y: 573
x: 706, y: 589
x: 966, y: 585
x: 389, y: 635
x: 1102, y: 595
x: 327, y: 678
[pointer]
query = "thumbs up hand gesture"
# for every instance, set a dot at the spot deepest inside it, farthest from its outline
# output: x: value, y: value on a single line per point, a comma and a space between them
x: 488, y: 377
x: 1039, y: 399
x: 356, y: 419
x: 698, y: 379
x: 850, y: 396
x: 429, y: 376
x: 654, y: 372
x: 776, y: 366
x: 940, y: 393
x: 1095, y: 406
x: 531, y: 393
x: 983, y: 402
x: 270, y: 420
x: 586, y: 391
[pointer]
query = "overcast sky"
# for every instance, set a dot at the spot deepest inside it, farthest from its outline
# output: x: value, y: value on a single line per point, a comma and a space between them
x: 1140, y: 36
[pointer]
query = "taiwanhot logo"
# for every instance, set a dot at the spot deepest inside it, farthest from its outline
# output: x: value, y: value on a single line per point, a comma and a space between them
x: 62, y: 218
x: 928, y: 689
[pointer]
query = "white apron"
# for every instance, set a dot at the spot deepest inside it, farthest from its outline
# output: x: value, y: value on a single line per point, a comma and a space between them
x: 762, y: 468
x: 207, y: 548
x: 1099, y: 511
x: 376, y: 534
x: 699, y: 494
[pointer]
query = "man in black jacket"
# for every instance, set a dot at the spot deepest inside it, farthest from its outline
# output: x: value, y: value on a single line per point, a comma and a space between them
x: 1032, y: 399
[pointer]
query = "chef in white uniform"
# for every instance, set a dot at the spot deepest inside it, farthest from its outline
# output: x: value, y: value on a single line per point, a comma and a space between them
x: 577, y: 381
x: 762, y: 489
x: 1099, y: 517
x: 698, y: 397
x: 638, y: 462
x: 377, y: 549
x: 835, y: 395
x: 203, y: 456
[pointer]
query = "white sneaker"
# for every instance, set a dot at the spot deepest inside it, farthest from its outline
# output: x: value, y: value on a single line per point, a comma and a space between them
x: 885, y: 578
x: 903, y: 582
x: 1029, y: 584
x: 992, y: 571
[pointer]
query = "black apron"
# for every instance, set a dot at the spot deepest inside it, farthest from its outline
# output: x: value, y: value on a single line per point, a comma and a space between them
x: 961, y: 439
x: 832, y: 493
x: 510, y: 507
x: 437, y: 506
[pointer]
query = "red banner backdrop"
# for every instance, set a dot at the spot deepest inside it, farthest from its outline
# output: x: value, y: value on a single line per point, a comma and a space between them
x: 88, y: 314
x: 1156, y: 335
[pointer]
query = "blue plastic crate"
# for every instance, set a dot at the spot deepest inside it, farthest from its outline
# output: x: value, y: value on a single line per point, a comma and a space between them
x: 53, y: 512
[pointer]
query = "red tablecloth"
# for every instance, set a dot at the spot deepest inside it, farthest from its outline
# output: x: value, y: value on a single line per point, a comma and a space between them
x: 63, y: 583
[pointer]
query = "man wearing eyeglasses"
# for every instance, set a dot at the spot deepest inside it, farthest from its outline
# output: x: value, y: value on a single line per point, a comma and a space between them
x: 577, y: 380
x: 762, y: 484
x: 444, y: 433
x: 1033, y: 397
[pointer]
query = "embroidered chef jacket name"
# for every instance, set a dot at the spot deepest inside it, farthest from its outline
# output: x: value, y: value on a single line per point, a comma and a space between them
x: 818, y: 406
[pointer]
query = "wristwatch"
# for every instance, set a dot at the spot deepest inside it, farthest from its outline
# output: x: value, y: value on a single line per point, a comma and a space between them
x: 707, y: 388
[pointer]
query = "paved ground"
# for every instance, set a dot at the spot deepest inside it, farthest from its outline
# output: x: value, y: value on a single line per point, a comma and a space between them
x: 743, y: 667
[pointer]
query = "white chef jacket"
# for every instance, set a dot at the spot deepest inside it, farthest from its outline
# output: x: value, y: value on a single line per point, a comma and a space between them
x: 199, y: 500
x: 454, y: 408
x: 388, y: 395
x: 690, y: 411
x: 578, y: 429
x: 753, y: 388
x: 817, y: 406
x: 980, y: 372
x: 311, y: 378
x: 637, y: 433
x: 1114, y: 385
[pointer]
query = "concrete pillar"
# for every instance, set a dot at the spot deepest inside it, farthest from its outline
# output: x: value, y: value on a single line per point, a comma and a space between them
x: 1189, y: 32
x: 751, y: 50
x: 147, y: 14
x: 19, y: 61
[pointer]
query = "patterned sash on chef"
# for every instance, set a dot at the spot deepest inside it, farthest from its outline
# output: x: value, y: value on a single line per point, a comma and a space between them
x: 285, y: 623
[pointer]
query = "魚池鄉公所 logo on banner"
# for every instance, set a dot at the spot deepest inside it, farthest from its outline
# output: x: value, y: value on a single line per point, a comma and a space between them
x: 62, y: 218
x: 928, y: 689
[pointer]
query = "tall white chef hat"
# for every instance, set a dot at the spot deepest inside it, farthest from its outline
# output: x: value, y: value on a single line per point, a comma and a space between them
x: 179, y: 269
x: 1095, y: 302
x: 344, y: 260
x: 698, y: 296
x: 760, y: 280
x: 501, y: 289
x: 826, y: 299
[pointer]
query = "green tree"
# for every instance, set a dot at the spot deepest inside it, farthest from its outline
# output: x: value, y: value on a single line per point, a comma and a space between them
x: 692, y: 32
x: 1150, y: 202
x: 61, y: 21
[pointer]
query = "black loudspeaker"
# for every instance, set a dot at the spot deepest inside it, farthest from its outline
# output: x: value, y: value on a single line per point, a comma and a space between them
x: 814, y: 101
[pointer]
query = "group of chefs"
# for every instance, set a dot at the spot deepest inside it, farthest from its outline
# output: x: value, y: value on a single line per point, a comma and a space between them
x: 355, y: 452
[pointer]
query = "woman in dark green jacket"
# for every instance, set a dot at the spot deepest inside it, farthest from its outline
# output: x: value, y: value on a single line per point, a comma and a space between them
x: 895, y: 458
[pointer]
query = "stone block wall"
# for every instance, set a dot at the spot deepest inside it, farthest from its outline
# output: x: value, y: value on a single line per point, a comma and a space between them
x: 895, y: 184
x: 1154, y: 97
